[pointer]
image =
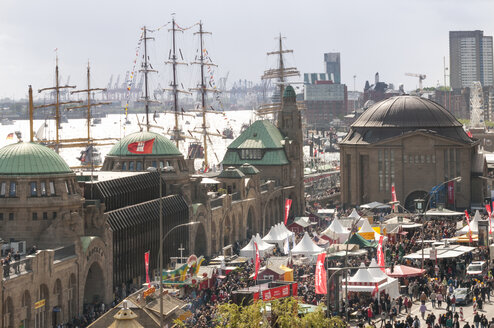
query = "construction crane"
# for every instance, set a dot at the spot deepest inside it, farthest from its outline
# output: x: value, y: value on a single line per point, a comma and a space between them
x: 420, y: 76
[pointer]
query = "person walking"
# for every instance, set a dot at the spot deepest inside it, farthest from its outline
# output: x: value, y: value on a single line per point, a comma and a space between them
x: 453, y: 303
x: 423, y: 308
x: 433, y: 299
x: 439, y: 298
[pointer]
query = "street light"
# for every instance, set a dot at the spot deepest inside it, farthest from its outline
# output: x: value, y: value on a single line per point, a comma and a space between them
x: 161, y: 255
x: 436, y: 188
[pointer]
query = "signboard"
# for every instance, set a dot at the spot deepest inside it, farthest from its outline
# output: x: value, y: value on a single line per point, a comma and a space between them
x: 39, y: 304
x: 433, y: 253
x: 274, y: 293
x: 148, y: 292
x: 483, y: 233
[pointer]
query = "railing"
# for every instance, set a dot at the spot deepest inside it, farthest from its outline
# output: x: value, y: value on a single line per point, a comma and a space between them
x: 64, y: 252
x: 17, y: 267
x: 217, y: 202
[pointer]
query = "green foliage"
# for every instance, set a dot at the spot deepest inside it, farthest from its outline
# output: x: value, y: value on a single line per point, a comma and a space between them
x: 284, y: 314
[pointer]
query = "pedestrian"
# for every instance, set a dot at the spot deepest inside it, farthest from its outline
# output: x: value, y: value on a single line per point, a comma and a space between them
x: 405, y: 303
x: 453, y: 303
x: 369, y: 315
x: 439, y: 297
x: 476, y: 320
x: 448, y: 303
x: 423, y: 308
x: 433, y: 299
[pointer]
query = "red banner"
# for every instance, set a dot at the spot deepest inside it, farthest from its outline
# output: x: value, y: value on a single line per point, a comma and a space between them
x: 258, y: 261
x: 375, y: 291
x: 380, y: 255
x: 393, y: 195
x: 146, y: 264
x: 490, y: 220
x: 141, y: 147
x: 469, y: 229
x: 274, y: 293
x: 288, y: 204
x: 320, y: 278
x: 451, y: 192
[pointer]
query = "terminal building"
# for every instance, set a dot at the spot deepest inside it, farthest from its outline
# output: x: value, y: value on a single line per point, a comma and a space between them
x: 415, y: 144
x: 82, y: 236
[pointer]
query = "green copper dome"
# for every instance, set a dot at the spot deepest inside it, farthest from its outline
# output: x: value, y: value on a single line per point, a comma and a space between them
x: 26, y: 158
x: 162, y: 146
x: 289, y: 93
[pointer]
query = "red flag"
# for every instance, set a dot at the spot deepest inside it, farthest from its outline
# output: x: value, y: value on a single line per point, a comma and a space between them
x: 380, y: 254
x: 451, y: 192
x: 320, y: 278
x: 288, y: 204
x: 469, y: 134
x: 141, y: 147
x: 375, y: 291
x: 393, y: 195
x: 258, y: 261
x: 469, y: 229
x: 146, y: 263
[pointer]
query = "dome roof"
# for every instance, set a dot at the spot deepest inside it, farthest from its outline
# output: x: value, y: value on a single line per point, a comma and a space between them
x: 162, y: 146
x: 25, y: 158
x: 406, y: 111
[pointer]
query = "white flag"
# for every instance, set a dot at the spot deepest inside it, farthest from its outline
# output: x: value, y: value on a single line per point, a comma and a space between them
x: 286, y: 247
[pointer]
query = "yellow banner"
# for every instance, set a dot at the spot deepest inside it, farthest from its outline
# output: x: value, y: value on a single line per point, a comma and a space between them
x: 39, y: 304
x: 148, y: 292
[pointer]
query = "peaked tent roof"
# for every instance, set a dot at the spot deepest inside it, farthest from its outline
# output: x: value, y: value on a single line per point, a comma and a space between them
x: 474, y: 224
x: 336, y: 226
x: 354, y: 214
x: 366, y: 227
x: 361, y: 241
x: 363, y: 275
x: 284, y: 230
x: 306, y: 246
x: 400, y: 271
x: 375, y: 271
x: 261, y: 244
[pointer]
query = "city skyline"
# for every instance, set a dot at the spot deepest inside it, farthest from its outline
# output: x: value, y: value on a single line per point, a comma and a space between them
x: 384, y: 36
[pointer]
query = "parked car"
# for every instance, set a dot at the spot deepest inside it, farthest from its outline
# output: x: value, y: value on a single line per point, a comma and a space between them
x: 463, y: 296
x: 477, y: 268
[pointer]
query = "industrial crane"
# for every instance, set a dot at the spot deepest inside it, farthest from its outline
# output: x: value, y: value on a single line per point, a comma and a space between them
x: 420, y: 76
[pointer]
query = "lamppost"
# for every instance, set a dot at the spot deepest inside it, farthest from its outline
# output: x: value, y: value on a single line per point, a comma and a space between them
x: 434, y: 190
x: 161, y: 256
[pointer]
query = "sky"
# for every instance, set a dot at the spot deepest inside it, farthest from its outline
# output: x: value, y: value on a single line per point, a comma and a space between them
x: 391, y: 37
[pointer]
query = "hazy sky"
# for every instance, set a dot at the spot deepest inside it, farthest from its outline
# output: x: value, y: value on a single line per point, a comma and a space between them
x: 390, y: 37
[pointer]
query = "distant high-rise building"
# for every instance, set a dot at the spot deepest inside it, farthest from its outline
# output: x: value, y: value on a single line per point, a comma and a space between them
x: 333, y: 67
x: 470, y: 55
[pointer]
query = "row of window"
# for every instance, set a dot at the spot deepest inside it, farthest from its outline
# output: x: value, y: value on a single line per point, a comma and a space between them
x: 34, y: 216
x: 137, y: 165
x: 43, y: 189
x: 419, y: 159
x: 251, y: 154
x: 386, y: 169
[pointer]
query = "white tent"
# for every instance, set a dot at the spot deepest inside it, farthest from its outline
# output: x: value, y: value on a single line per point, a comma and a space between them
x: 366, y: 281
x: 354, y: 214
x: 307, y: 247
x: 474, y: 225
x: 261, y: 244
x: 284, y: 230
x: 375, y: 271
x: 336, y: 231
x: 249, y: 251
x: 276, y: 235
x: 374, y: 205
x: 368, y: 233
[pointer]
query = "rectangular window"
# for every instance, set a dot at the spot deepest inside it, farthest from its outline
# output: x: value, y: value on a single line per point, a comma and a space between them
x: 154, y: 164
x: 434, y: 158
x: 139, y: 166
x: 405, y: 159
x: 422, y: 159
x: 52, y: 188
x: 35, y: 216
x: 13, y: 189
x: 416, y: 159
x: 458, y: 169
x: 131, y: 166
x: 124, y: 166
x: 446, y: 157
x: 67, y: 187
x: 45, y: 215
x: 42, y: 188
x: 451, y: 163
x: 386, y: 169
x: 1, y: 216
x: 34, y: 189
x: 54, y: 216
x: 11, y: 216
x: 3, y: 189
x: 428, y: 159
x: 380, y: 169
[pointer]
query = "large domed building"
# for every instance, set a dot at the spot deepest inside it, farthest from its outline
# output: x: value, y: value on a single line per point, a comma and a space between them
x: 66, y: 241
x: 415, y: 144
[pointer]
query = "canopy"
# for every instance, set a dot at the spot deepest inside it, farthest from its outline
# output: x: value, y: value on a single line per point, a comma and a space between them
x: 368, y: 232
x: 277, y: 235
x: 209, y: 181
x: 361, y: 241
x: 284, y: 230
x: 465, y: 239
x: 262, y: 244
x: 354, y: 214
x: 366, y: 280
x: 401, y: 271
x: 374, y: 205
x: 336, y: 231
x: 306, y: 247
x: 326, y: 211
x: 375, y: 271
x: 474, y: 225
x: 303, y: 221
x: 363, y: 275
x: 249, y: 250
x: 443, y: 212
x: 443, y: 252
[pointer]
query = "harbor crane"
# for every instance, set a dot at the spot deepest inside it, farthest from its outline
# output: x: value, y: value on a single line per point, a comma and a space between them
x: 420, y: 76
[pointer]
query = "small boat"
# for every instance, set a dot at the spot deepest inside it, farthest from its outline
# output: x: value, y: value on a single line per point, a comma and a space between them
x: 41, y: 133
x: 227, y: 133
x: 196, y: 150
x: 187, y: 122
x: 90, y: 156
x: 6, y: 121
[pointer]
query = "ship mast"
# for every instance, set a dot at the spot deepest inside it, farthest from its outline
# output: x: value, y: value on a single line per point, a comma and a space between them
x: 146, y: 70
x: 281, y: 73
x: 202, y: 88
x: 57, y: 104
x: 174, y: 84
x: 89, y: 104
